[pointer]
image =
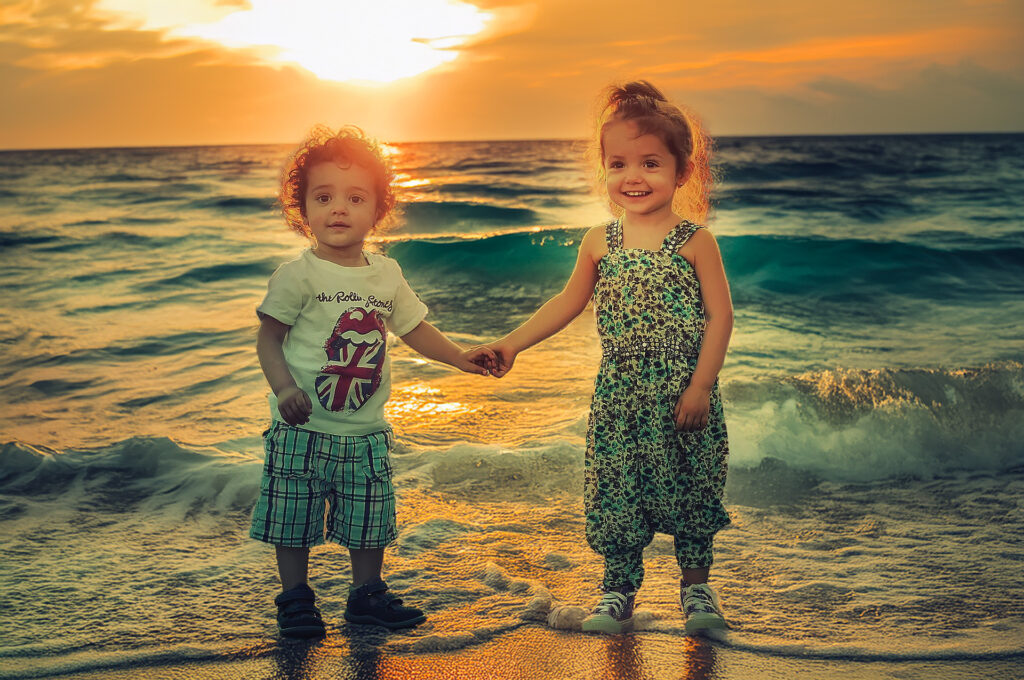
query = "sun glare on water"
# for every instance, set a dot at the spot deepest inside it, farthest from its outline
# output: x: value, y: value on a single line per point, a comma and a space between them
x: 334, y: 39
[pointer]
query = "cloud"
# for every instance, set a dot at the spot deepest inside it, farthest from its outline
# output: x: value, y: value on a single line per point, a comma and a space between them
x: 937, y: 98
x: 73, y: 75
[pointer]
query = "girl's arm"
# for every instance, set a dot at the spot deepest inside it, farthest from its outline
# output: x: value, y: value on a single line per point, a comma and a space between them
x: 694, y: 403
x: 293, y: 404
x: 433, y: 344
x: 556, y: 313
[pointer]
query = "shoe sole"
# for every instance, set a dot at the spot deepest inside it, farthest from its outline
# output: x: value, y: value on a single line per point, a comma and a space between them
x: 303, y: 632
x: 367, y: 620
x: 606, y: 624
x: 699, y: 622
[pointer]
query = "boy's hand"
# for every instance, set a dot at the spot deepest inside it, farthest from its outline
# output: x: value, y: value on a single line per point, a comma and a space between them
x: 294, y: 405
x: 479, y: 360
x: 692, y: 409
x: 505, y: 356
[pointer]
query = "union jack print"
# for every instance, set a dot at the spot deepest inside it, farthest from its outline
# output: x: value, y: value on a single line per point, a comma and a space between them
x: 355, y: 357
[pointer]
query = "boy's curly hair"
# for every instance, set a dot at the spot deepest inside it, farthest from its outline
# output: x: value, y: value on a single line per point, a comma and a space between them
x: 349, y: 145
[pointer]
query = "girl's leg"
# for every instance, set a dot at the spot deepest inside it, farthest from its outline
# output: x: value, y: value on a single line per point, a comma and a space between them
x: 694, y: 576
x: 624, y: 570
x: 293, y: 566
x: 694, y: 555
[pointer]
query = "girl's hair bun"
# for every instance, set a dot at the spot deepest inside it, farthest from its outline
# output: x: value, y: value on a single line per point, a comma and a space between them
x: 635, y: 99
x: 641, y: 88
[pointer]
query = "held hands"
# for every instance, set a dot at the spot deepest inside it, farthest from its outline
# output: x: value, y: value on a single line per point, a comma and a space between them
x: 479, y: 360
x: 692, y: 409
x: 502, y: 356
x: 294, y: 405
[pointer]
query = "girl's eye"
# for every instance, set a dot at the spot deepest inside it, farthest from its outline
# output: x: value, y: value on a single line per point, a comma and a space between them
x: 650, y: 164
x: 357, y: 199
x: 615, y: 165
x: 322, y: 198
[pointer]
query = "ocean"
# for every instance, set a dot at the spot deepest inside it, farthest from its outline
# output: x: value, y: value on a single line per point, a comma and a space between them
x: 874, y: 395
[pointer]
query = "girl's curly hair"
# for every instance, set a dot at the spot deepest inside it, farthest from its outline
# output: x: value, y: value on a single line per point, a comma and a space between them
x: 678, y: 128
x: 349, y: 145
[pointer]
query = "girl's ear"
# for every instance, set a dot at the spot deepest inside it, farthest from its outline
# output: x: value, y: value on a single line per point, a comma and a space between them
x: 683, y: 177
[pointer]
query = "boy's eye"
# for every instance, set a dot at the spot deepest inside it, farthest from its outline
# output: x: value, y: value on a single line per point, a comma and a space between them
x: 358, y: 199
x: 651, y: 164
x: 615, y: 164
x: 322, y: 198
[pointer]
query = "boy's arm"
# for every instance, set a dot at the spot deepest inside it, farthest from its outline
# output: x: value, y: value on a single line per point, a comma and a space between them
x: 293, y: 404
x: 693, y: 405
x: 433, y: 344
x: 556, y: 313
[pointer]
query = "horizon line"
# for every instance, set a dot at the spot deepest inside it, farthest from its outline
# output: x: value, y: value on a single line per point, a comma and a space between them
x: 510, y: 139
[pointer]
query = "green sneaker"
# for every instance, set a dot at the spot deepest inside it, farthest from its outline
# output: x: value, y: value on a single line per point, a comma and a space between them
x: 701, y: 608
x: 613, y: 614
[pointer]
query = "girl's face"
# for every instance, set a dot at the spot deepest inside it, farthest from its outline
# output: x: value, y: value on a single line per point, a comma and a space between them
x: 642, y: 176
x: 341, y: 208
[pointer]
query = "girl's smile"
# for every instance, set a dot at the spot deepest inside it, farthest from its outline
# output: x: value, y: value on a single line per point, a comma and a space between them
x: 641, y: 173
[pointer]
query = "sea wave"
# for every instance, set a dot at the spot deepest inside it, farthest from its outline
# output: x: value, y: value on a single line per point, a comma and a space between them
x: 786, y: 265
x: 432, y: 216
x: 841, y: 426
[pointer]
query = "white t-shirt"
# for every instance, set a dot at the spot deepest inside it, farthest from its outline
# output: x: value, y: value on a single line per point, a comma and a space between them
x: 336, y: 349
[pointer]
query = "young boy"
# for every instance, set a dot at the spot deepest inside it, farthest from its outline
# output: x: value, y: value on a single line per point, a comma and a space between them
x: 322, y: 345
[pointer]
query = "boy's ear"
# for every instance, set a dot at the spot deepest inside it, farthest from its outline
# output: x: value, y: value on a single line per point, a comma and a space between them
x: 684, y: 176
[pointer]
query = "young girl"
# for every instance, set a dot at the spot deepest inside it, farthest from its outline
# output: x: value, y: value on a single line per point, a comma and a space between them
x: 322, y: 345
x: 656, y: 442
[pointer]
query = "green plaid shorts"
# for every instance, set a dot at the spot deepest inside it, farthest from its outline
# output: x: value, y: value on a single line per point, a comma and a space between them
x: 312, y: 476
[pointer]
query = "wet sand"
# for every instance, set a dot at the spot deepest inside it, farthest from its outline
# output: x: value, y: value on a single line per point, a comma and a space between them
x: 536, y: 653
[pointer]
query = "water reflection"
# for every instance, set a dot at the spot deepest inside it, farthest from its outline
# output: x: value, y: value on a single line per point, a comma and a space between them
x: 701, y: 660
x: 625, y: 658
x: 355, y: 653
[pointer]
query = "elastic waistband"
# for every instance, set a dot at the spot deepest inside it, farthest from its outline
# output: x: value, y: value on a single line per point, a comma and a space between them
x: 643, y: 347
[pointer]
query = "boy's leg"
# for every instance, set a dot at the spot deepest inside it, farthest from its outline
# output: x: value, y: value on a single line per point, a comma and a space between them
x: 363, y: 513
x: 293, y: 566
x: 297, y: 613
x: 289, y: 512
x: 366, y: 564
x: 369, y: 600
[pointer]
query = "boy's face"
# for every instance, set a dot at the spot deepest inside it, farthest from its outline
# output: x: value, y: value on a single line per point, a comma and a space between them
x: 341, y: 208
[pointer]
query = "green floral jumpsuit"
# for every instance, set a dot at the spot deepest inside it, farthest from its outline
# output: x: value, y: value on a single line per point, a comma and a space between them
x: 642, y: 475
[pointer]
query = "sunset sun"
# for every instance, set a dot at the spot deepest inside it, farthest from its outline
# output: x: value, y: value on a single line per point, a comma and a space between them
x: 340, y: 41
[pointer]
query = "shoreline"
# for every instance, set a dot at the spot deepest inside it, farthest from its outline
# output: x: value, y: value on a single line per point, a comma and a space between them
x: 532, y: 653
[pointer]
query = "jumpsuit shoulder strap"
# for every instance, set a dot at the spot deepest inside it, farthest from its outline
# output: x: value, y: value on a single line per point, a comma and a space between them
x: 680, y: 235
x: 613, y: 234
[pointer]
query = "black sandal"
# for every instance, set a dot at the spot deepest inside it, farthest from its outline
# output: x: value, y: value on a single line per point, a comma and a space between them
x: 297, y: 614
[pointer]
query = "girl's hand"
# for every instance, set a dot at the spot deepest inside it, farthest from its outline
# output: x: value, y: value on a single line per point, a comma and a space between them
x: 505, y: 356
x: 294, y: 405
x: 692, y: 409
x: 479, y: 360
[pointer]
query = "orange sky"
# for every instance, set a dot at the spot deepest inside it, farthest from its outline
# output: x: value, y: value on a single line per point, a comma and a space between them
x: 127, y: 72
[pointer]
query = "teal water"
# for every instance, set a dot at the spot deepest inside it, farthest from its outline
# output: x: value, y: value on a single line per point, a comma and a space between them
x: 874, y: 394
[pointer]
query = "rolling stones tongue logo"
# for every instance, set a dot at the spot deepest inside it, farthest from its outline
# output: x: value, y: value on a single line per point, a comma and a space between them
x: 355, y: 356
